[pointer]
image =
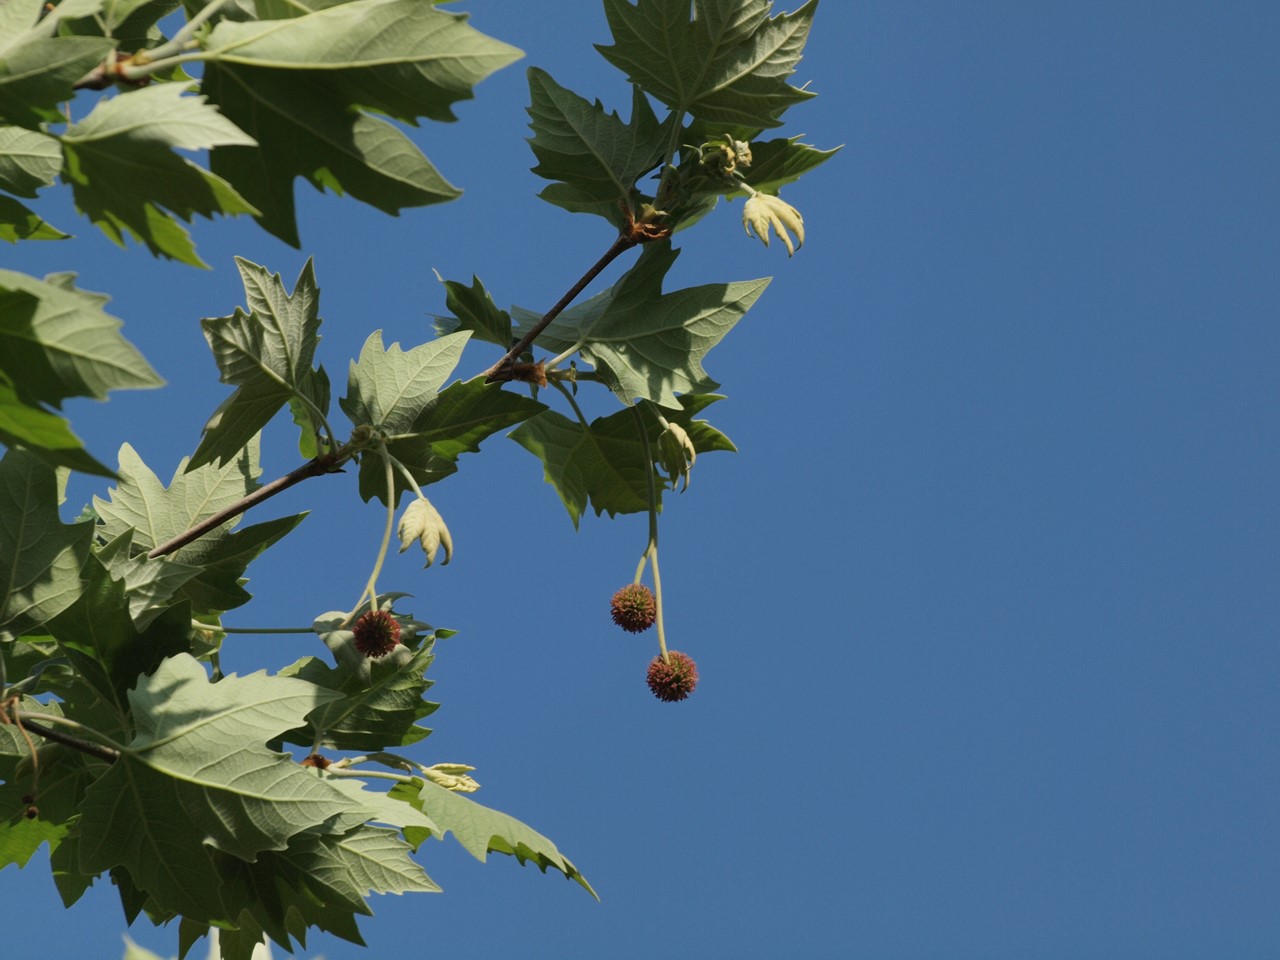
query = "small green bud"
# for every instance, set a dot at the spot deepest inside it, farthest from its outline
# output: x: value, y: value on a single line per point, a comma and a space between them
x: 677, y: 455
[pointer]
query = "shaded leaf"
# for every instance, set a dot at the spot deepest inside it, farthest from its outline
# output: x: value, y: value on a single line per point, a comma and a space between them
x: 595, y: 155
x: 266, y: 354
x: 454, y: 422
x: 728, y: 63
x: 375, y: 713
x: 40, y: 556
x: 98, y: 635
x: 645, y: 343
x: 481, y: 830
x: 127, y: 179
x: 45, y: 434
x: 148, y: 584
x: 197, y: 778
x: 473, y: 310
x: 18, y: 222
x: 604, y: 463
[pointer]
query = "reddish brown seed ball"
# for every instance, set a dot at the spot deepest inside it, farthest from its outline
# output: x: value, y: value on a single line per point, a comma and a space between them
x: 377, y: 633
x: 633, y: 608
x: 675, y: 680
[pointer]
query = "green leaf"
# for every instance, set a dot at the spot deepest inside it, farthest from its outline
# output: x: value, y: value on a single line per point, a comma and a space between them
x: 604, y: 463
x: 45, y: 434
x: 156, y: 514
x: 57, y: 342
x: 98, y: 635
x: 299, y: 87
x: 775, y: 163
x: 644, y: 343
x: 318, y: 881
x: 28, y: 160
x: 474, y: 311
x: 131, y: 23
x: 727, y: 64
x: 18, y: 222
x: 311, y: 402
x: 125, y: 175
x: 219, y: 586
x: 481, y: 830
x: 38, y: 73
x: 375, y: 713
x: 198, y: 778
x: 454, y: 422
x: 389, y: 388
x: 149, y: 584
x: 40, y: 556
x: 595, y: 155
x: 397, y: 393
x: 266, y: 354
x: 63, y: 775
x: 405, y: 58
x: 586, y: 464
x: 366, y: 860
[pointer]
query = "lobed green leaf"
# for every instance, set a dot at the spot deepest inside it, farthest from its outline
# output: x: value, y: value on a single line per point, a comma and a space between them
x: 647, y: 344
x: 594, y: 155
x: 728, y: 63
x: 266, y: 354
x: 40, y: 556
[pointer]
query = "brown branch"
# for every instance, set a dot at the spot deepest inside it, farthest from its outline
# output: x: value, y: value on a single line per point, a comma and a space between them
x: 312, y: 468
x: 67, y: 740
x: 502, y: 370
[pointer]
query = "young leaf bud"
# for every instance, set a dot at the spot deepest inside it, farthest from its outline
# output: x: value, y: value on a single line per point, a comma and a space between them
x: 762, y: 211
x: 451, y: 776
x: 676, y: 454
x: 423, y: 523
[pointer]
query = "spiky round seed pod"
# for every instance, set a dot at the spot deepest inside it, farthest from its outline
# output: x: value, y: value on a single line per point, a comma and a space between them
x: 634, y: 608
x: 675, y: 680
x: 377, y: 633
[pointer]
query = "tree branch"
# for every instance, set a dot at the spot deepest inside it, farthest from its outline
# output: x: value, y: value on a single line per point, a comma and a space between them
x: 502, y: 369
x: 312, y: 468
x: 67, y: 740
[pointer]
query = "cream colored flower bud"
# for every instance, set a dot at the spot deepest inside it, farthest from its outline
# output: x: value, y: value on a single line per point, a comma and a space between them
x: 762, y: 211
x: 676, y: 454
x: 421, y: 522
x: 452, y: 776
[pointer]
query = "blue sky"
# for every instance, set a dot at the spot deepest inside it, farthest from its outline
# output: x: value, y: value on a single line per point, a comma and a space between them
x: 985, y: 609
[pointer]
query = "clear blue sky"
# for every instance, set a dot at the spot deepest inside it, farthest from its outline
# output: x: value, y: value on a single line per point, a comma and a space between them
x: 986, y: 608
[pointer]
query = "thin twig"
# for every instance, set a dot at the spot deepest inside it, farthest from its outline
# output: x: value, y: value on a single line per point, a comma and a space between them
x: 501, y: 369
x: 312, y: 468
x: 67, y: 740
